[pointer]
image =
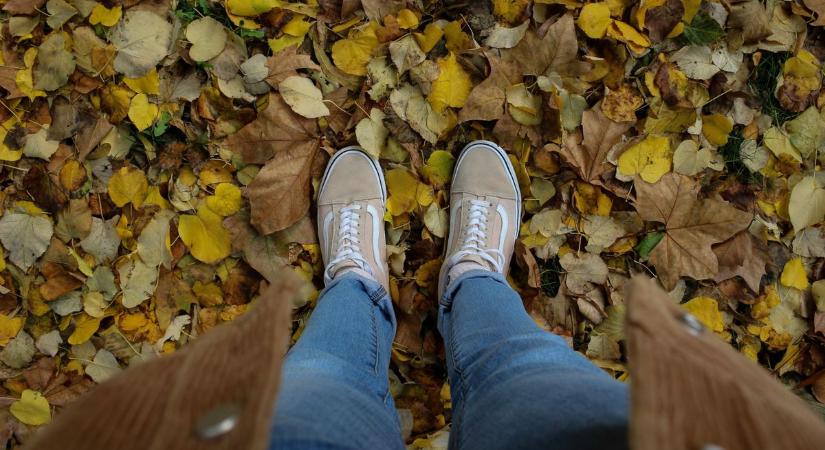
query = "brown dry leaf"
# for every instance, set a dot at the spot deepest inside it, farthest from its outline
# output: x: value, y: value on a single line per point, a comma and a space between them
x: 486, y: 101
x: 589, y: 155
x: 285, y: 64
x: 555, y: 51
x: 276, y: 130
x: 743, y: 255
x: 661, y: 19
x: 692, y: 226
x: 279, y: 194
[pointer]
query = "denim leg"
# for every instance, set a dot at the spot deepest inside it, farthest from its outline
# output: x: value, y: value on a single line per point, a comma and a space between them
x: 515, y: 385
x: 335, y: 387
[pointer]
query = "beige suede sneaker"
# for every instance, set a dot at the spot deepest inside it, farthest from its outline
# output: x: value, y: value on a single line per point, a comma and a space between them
x: 485, y: 211
x: 351, y: 204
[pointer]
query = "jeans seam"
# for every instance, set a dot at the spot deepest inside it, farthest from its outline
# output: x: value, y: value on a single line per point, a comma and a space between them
x: 374, y: 340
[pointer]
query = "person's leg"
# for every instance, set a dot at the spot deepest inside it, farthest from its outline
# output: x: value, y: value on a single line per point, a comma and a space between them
x: 335, y: 387
x: 515, y: 385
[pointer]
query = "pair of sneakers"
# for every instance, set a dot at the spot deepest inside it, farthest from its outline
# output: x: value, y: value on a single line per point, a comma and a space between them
x: 485, y: 204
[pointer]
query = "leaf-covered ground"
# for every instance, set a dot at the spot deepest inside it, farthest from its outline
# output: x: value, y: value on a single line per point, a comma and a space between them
x: 159, y: 161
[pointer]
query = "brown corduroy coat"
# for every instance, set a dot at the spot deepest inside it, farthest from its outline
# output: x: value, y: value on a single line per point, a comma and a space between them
x: 689, y: 389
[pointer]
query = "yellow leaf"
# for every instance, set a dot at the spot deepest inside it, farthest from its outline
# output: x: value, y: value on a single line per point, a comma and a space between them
x: 706, y: 309
x: 154, y: 197
x: 128, y: 185
x: 429, y: 38
x: 352, y: 54
x: 131, y: 322
x: 278, y: 44
x: 205, y: 235
x: 84, y: 327
x: 402, y: 187
x: 794, y: 275
x: 439, y: 167
x: 452, y: 87
x: 32, y: 408
x: 650, y: 158
x: 72, y: 175
x: 716, y: 128
x: 691, y: 9
x: 6, y: 153
x: 23, y: 78
x: 510, y: 10
x: 251, y: 8
x: 297, y: 27
x: 105, y: 16
x: 148, y: 84
x: 141, y: 112
x: 427, y: 273
x: 407, y: 19
x: 116, y: 100
x: 456, y: 40
x: 215, y: 171
x: 424, y: 195
x: 594, y: 19
x: 9, y: 327
x: 636, y: 42
x: 226, y: 201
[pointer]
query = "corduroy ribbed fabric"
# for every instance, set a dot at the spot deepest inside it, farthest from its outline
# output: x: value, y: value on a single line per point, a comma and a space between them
x: 155, y: 405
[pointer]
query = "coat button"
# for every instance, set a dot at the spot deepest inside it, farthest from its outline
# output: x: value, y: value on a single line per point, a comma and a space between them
x: 692, y: 324
x: 218, y: 421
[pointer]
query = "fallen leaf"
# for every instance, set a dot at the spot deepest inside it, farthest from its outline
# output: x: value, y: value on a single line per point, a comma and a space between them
x: 650, y: 158
x: 25, y: 236
x: 371, y: 133
x: 589, y: 156
x: 794, y: 275
x: 32, y: 408
x: 594, y: 19
x: 504, y: 37
x: 807, y: 203
x: 103, y: 366
x: 54, y: 64
x: 452, y: 87
x: 128, y: 185
x: 142, y: 39
x: 692, y: 225
x: 352, y: 54
x: 303, y: 97
x: 208, y: 38
x: 205, y: 235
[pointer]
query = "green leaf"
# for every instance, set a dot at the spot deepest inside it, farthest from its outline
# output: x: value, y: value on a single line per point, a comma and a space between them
x: 703, y: 30
x: 162, y: 124
x: 613, y: 325
x: 648, y: 244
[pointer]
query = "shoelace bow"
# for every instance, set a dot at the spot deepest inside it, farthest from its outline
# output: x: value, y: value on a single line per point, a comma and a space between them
x: 348, y: 249
x: 475, y: 237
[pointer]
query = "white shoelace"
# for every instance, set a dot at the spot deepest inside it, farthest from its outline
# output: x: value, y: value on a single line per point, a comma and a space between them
x: 476, y: 235
x: 348, y: 249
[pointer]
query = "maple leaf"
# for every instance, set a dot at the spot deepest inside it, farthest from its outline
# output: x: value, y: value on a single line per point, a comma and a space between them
x: 486, y: 101
x: 555, y: 51
x: 589, y: 154
x: 692, y: 226
x: 279, y: 194
x: 276, y: 130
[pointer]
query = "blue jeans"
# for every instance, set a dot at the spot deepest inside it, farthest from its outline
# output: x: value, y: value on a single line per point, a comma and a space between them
x: 513, y: 385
